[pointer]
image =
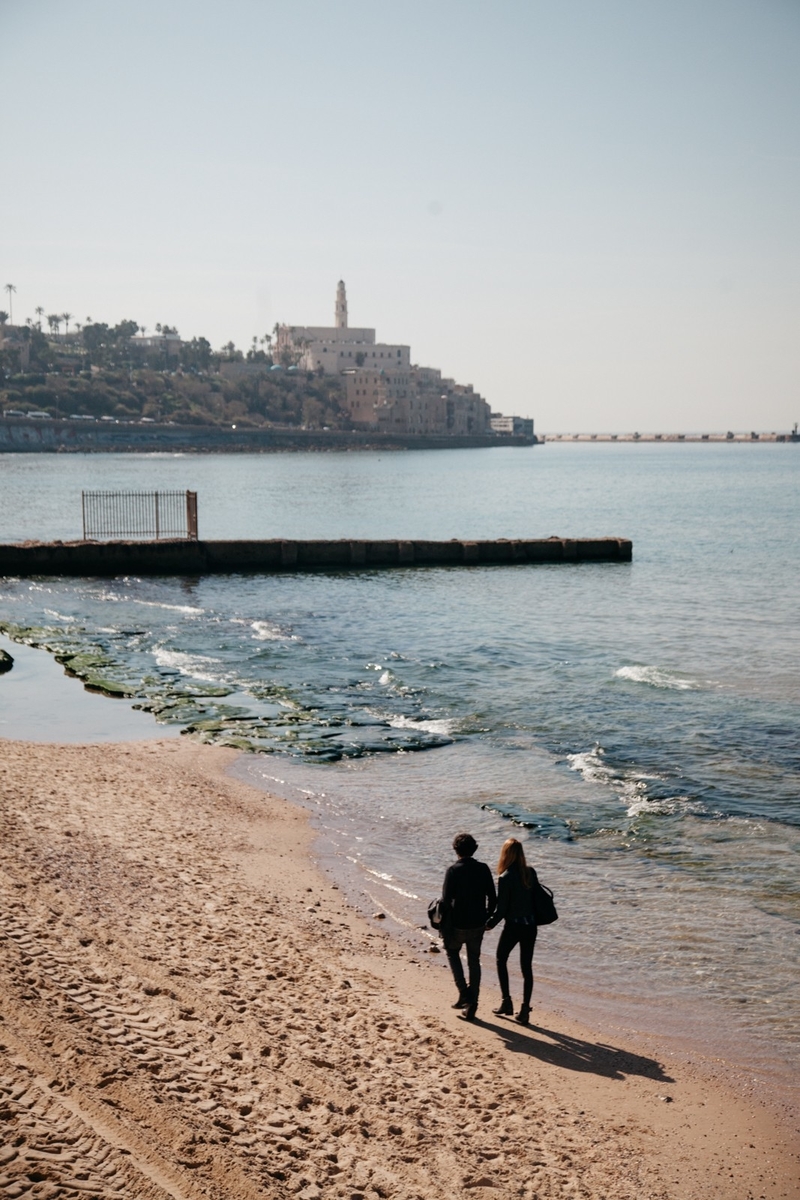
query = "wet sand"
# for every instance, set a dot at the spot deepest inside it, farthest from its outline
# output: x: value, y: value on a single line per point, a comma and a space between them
x: 190, y: 1009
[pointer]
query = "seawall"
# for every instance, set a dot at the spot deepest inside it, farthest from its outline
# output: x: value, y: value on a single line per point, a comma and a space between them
x: 203, y: 558
x: 19, y: 435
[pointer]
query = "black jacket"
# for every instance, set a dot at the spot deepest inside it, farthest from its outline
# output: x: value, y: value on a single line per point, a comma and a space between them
x: 514, y: 900
x: 468, y: 893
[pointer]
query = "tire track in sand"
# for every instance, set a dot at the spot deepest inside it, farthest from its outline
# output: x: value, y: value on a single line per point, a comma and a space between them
x: 173, y: 1009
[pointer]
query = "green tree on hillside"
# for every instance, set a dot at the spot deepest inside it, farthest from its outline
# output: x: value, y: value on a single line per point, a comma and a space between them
x: 196, y: 354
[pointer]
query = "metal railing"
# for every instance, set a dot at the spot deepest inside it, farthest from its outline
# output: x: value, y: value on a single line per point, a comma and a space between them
x: 139, y: 515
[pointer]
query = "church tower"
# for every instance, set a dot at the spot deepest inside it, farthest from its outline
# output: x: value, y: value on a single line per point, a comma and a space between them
x: 341, y: 306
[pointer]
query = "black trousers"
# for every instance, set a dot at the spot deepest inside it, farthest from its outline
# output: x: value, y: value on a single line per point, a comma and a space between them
x: 454, y: 939
x: 524, y: 935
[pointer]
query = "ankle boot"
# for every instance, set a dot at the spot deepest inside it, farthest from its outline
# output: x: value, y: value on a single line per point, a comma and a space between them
x: 524, y: 1015
x: 506, y: 1008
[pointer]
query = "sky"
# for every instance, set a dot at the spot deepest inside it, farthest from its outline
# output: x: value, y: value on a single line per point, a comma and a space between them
x: 588, y: 209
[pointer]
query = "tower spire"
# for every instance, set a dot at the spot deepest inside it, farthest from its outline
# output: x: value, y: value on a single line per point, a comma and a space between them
x: 341, y: 306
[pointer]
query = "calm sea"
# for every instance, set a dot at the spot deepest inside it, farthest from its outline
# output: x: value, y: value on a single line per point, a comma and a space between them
x: 635, y: 724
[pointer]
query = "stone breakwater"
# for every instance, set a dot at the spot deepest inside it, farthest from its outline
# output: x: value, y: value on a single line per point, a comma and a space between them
x: 220, y: 557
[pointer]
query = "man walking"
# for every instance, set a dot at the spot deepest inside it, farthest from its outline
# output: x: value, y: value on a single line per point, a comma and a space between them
x: 469, y: 898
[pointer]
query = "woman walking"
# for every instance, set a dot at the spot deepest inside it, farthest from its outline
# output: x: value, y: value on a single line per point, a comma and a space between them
x: 515, y: 905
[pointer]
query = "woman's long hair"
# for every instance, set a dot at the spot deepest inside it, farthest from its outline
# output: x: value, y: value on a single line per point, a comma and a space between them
x: 513, y: 855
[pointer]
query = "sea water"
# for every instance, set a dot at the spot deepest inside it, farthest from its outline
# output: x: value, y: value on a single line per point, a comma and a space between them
x: 636, y: 725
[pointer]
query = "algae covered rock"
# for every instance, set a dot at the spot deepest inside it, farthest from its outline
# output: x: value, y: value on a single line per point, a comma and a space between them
x: 6, y: 662
x: 108, y: 687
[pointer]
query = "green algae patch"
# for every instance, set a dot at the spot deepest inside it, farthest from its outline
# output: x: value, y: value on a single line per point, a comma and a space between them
x: 26, y: 635
x: 239, y: 744
x: 107, y: 687
x: 276, y: 722
x: 82, y: 666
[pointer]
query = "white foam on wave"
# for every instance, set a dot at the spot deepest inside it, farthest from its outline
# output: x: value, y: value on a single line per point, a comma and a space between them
x: 591, y: 766
x: 386, y: 881
x: 195, y: 665
x: 400, y: 891
x: 181, y: 608
x: 263, y: 631
x: 667, y: 807
x: 630, y: 787
x: 115, y: 598
x: 656, y: 677
x: 444, y: 726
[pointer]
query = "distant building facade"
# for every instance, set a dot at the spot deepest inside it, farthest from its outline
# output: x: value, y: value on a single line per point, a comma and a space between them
x: 383, y: 391
x: 168, y: 343
x: 336, y: 348
x: 515, y: 425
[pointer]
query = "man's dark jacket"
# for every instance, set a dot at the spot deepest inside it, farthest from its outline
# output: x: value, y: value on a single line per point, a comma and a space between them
x: 468, y: 893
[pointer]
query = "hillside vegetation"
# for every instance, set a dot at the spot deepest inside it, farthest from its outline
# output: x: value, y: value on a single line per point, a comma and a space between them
x: 102, y: 372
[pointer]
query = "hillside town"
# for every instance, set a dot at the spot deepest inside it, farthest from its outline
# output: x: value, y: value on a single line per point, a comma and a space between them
x: 336, y: 377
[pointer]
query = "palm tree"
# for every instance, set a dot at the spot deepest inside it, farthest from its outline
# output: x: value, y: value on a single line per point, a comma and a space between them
x: 3, y: 318
x: 40, y: 313
x: 10, y: 288
x: 54, y: 321
x: 66, y: 317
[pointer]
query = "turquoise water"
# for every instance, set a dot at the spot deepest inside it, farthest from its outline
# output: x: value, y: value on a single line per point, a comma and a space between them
x: 637, y: 724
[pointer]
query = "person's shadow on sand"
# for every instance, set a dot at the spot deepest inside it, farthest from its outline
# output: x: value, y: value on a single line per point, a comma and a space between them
x: 575, y: 1054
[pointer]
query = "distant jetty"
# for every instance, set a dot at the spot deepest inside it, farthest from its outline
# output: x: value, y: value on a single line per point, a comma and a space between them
x: 729, y: 437
x: 184, y: 557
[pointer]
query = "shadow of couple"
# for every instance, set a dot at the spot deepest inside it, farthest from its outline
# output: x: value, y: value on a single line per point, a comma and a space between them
x: 576, y: 1054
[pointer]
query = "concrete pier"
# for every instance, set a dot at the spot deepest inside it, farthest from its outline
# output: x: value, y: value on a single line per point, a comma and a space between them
x: 204, y: 558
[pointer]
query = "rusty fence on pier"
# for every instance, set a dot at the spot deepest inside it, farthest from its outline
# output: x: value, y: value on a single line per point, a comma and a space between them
x: 150, y: 515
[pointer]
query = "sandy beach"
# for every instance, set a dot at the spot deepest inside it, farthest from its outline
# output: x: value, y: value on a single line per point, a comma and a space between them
x: 190, y: 1009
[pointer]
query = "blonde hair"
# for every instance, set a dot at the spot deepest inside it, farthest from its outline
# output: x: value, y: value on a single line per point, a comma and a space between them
x: 513, y: 854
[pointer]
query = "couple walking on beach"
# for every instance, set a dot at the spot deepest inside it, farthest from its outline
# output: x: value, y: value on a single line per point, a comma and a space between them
x: 471, y: 905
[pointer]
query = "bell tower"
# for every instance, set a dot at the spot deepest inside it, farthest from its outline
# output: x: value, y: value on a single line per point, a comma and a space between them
x: 341, y: 306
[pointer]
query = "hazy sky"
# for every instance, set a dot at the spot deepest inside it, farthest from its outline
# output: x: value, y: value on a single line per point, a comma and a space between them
x: 589, y: 209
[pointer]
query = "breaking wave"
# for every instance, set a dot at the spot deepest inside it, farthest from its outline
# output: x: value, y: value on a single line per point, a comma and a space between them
x: 265, y: 631
x: 656, y: 677
x: 195, y: 665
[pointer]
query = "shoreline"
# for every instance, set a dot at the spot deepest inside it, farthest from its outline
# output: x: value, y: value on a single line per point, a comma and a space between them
x: 212, y: 1023
x: 71, y: 714
x: 654, y: 1023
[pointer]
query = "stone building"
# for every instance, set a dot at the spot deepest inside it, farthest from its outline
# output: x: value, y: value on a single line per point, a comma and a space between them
x: 338, y: 347
x: 383, y: 391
